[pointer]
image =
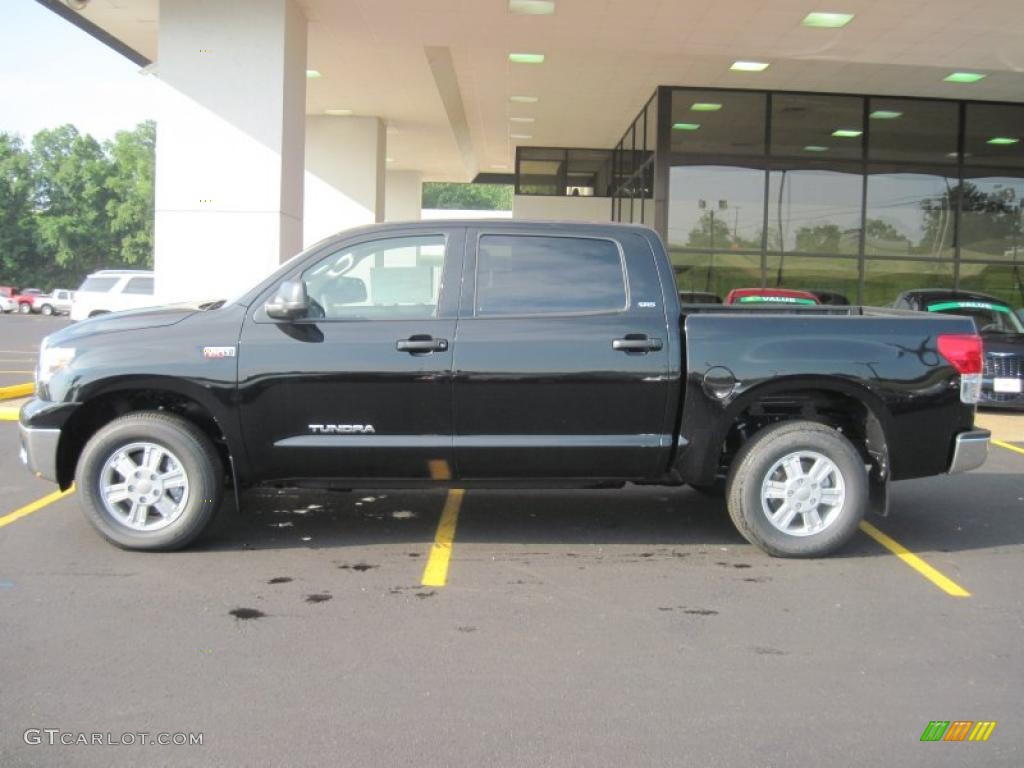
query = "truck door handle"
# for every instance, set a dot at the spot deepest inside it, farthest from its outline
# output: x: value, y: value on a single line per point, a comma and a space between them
x: 421, y: 344
x: 636, y: 342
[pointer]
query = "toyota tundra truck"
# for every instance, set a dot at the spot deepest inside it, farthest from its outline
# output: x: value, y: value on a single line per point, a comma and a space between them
x: 498, y: 354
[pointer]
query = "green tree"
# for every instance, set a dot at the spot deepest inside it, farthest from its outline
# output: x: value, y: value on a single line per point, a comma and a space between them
x: 467, y: 197
x: 18, y: 254
x: 71, y: 196
x: 823, y: 238
x: 130, y: 183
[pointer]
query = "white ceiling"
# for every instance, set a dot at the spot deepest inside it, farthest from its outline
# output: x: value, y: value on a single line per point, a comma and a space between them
x: 605, y: 57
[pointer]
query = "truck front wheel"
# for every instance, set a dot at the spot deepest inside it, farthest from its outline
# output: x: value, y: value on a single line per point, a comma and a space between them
x: 150, y: 481
x: 797, y: 489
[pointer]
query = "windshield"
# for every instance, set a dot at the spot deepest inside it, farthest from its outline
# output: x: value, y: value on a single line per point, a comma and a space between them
x: 988, y: 316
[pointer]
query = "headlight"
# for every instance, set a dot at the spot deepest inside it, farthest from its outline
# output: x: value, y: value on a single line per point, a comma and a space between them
x: 52, y: 360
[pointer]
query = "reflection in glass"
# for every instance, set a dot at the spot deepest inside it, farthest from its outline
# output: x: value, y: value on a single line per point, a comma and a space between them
x: 715, y: 273
x: 991, y: 219
x: 814, y: 273
x: 813, y: 211
x: 913, y: 130
x: 994, y: 135
x: 716, y: 207
x: 718, y: 122
x: 1004, y: 281
x: 910, y: 214
x: 885, y: 279
x: 814, y: 125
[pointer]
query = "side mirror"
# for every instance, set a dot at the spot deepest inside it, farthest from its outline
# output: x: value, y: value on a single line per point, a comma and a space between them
x: 290, y: 302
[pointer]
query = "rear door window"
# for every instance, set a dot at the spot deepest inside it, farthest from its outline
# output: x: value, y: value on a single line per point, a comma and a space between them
x: 143, y: 285
x: 538, y: 275
x: 98, y: 284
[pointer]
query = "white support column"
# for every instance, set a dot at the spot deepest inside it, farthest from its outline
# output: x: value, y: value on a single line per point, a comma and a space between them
x: 403, y: 196
x: 345, y: 172
x: 230, y: 136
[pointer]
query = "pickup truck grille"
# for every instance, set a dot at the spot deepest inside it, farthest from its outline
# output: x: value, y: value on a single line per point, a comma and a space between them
x: 1003, y: 367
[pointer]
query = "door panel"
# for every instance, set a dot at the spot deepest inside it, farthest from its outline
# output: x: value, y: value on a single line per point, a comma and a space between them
x: 548, y: 394
x: 365, y: 389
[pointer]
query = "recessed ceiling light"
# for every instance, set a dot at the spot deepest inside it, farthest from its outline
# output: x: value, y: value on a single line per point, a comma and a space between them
x: 532, y: 7
x: 815, y: 148
x: 749, y: 66
x: 523, y: 99
x: 1002, y: 141
x: 833, y: 20
x: 313, y: 74
x: 523, y: 119
x: 338, y: 112
x: 685, y: 126
x: 705, y: 106
x: 963, y: 77
x: 523, y: 136
x: 846, y: 133
x: 952, y: 154
x: 526, y: 58
x: 885, y: 114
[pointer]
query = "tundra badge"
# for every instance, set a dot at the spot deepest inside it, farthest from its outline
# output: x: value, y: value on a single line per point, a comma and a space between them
x: 342, y: 429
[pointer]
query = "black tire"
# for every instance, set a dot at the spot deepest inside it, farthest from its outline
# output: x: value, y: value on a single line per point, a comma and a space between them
x: 751, y: 468
x: 198, y: 460
x: 24, y: 309
x: 46, y: 309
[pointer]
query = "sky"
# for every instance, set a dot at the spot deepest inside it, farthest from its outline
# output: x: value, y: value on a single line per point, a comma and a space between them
x: 52, y: 73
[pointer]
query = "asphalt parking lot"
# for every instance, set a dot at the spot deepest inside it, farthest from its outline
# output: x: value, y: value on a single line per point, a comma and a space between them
x: 589, y: 628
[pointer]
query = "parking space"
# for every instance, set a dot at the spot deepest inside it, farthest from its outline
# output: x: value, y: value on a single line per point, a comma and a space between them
x: 20, y: 336
x: 574, y: 628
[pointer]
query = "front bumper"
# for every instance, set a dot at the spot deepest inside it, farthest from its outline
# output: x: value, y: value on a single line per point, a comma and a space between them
x: 39, y: 451
x: 970, y: 449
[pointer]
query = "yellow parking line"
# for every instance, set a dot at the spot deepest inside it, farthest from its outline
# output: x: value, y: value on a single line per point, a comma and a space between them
x: 1008, y: 446
x: 38, y: 504
x: 941, y: 581
x: 9, y: 412
x: 435, y: 574
x: 17, y: 390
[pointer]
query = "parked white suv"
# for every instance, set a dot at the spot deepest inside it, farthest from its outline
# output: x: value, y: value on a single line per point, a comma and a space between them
x: 112, y: 290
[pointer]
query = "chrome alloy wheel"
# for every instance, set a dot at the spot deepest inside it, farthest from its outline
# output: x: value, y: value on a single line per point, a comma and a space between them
x: 803, y: 493
x: 144, y: 486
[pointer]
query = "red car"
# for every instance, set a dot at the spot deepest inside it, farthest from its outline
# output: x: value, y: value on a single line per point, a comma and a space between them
x: 25, y: 298
x: 748, y: 296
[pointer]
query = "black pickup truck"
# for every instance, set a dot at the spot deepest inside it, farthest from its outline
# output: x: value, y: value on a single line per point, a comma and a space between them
x: 482, y: 354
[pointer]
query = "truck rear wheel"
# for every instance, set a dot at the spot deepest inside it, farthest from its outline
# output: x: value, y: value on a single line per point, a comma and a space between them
x: 150, y: 481
x: 797, y: 489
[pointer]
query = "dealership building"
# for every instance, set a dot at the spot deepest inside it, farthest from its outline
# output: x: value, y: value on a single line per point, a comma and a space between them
x: 865, y: 146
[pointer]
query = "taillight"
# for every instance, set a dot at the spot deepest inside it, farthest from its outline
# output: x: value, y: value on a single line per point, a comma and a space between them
x: 965, y: 353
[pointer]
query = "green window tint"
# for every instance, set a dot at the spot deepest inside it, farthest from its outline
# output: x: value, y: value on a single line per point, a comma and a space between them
x: 814, y: 273
x: 910, y: 214
x: 814, y: 211
x: 991, y: 218
x: 884, y: 280
x: 715, y: 273
x: 716, y: 207
x: 1004, y: 281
